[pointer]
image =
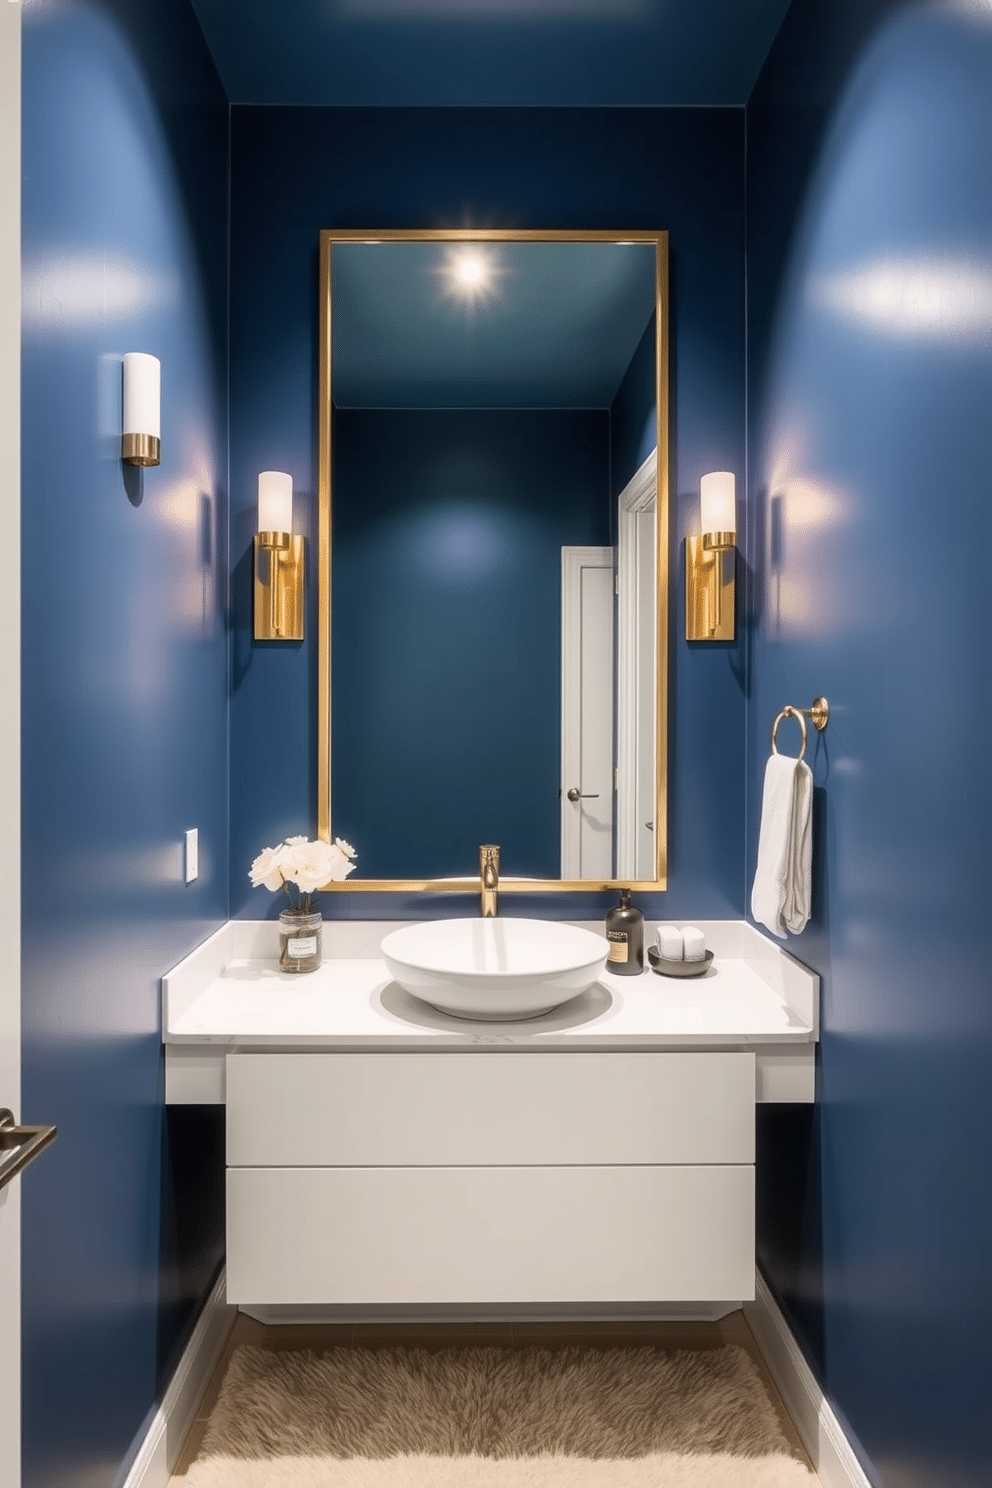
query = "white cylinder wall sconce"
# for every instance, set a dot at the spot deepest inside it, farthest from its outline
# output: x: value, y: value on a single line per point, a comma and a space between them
x: 710, y: 561
x: 141, y: 428
x: 718, y: 506
x: 275, y: 501
x: 279, y: 562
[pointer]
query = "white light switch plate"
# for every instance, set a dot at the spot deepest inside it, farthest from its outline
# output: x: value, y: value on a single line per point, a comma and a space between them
x: 192, y: 855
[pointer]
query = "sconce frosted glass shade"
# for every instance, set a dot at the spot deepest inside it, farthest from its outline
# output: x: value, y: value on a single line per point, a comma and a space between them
x: 718, y: 502
x: 142, y: 394
x: 141, y: 424
x: 275, y: 501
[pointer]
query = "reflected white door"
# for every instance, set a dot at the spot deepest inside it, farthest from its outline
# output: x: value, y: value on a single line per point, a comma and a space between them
x: 10, y: 632
x: 587, y: 590
x: 645, y: 710
x: 637, y: 668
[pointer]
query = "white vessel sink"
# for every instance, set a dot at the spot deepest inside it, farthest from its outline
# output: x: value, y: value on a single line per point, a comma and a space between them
x: 494, y: 970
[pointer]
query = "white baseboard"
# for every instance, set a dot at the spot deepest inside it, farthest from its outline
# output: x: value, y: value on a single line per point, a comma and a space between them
x: 171, y: 1424
x: 820, y: 1432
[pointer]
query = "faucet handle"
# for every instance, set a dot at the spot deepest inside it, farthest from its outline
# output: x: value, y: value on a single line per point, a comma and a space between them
x: 488, y: 856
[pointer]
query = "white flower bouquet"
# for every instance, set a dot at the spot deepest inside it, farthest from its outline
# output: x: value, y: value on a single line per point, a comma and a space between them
x: 301, y: 868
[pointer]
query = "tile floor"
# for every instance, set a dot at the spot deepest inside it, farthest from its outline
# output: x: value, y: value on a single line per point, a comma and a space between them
x: 731, y: 1329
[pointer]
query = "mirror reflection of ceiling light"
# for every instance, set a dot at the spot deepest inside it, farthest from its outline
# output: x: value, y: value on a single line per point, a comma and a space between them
x: 470, y: 270
x: 470, y: 273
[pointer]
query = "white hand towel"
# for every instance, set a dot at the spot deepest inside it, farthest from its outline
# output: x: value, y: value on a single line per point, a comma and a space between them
x: 670, y: 942
x: 694, y: 943
x: 780, y: 895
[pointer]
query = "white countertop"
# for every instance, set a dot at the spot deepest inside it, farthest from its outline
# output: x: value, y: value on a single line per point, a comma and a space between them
x: 229, y: 992
x: 355, y: 1004
x: 229, y: 997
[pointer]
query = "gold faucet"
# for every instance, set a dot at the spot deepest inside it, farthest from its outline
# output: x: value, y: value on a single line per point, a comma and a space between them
x: 489, y: 874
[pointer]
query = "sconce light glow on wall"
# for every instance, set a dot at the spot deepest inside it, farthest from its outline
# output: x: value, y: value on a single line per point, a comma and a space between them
x: 141, y: 426
x: 710, y: 561
x: 278, y: 562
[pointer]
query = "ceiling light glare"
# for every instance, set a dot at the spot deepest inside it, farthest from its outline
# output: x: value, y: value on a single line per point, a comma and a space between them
x: 470, y: 270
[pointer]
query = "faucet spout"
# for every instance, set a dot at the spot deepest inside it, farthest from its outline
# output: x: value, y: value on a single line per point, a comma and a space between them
x: 489, y: 878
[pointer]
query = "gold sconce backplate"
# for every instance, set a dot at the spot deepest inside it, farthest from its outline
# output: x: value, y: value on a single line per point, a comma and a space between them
x: 710, y: 588
x: 279, y: 566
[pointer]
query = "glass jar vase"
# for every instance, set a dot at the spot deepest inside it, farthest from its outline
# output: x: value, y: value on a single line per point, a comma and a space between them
x: 299, y: 940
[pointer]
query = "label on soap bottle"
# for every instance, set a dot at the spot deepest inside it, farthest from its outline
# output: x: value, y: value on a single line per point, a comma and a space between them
x: 619, y: 950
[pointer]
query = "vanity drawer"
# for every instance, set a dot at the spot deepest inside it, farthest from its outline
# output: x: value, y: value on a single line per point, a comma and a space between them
x: 435, y: 1110
x: 509, y: 1235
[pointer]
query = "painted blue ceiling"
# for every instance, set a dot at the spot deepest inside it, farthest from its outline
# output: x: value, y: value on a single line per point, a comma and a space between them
x: 547, y: 53
x: 552, y: 325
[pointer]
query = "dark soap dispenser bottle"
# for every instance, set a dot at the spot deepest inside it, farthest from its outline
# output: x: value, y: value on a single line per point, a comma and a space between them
x: 625, y: 933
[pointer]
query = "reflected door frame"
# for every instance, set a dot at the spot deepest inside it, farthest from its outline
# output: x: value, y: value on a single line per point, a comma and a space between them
x: 637, y: 544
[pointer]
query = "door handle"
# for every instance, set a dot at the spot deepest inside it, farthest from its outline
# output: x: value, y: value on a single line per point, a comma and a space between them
x: 20, y: 1145
x: 574, y: 794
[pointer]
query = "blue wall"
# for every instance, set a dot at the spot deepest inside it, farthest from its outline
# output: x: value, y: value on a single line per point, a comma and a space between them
x: 870, y: 381
x: 447, y: 531
x: 633, y: 414
x: 295, y: 171
x: 124, y: 708
x: 869, y: 378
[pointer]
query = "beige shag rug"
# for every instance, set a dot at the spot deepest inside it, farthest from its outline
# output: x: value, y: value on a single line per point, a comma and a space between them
x: 494, y: 1418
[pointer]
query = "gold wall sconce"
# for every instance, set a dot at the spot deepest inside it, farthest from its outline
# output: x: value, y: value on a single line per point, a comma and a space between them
x: 141, y: 425
x: 710, y: 561
x: 279, y: 562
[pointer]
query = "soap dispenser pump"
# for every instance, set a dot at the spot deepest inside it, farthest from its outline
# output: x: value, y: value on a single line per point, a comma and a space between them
x: 625, y: 933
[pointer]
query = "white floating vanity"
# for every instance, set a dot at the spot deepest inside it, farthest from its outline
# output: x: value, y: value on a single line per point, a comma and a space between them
x: 385, y: 1159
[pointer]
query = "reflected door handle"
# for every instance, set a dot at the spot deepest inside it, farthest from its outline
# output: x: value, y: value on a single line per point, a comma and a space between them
x: 20, y: 1145
x: 574, y: 794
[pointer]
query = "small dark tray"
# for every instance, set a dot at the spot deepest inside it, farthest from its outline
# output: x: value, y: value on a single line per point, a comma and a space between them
x: 677, y: 968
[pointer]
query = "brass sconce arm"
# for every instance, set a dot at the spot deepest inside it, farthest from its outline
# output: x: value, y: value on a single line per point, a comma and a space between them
x: 279, y: 567
x: 710, y: 586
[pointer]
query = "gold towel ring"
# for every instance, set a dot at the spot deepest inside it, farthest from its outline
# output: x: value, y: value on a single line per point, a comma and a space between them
x: 819, y: 713
x: 789, y: 712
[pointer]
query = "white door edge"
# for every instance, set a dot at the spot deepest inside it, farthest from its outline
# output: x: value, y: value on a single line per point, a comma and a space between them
x: 639, y: 495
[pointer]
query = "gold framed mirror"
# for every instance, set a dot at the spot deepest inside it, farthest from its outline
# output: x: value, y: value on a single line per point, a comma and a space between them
x: 415, y: 339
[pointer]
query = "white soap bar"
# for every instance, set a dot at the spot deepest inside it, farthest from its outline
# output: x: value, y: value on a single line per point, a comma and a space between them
x: 670, y: 942
x: 693, y: 943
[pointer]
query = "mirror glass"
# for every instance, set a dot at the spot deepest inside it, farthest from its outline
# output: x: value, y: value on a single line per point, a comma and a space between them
x: 492, y: 550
